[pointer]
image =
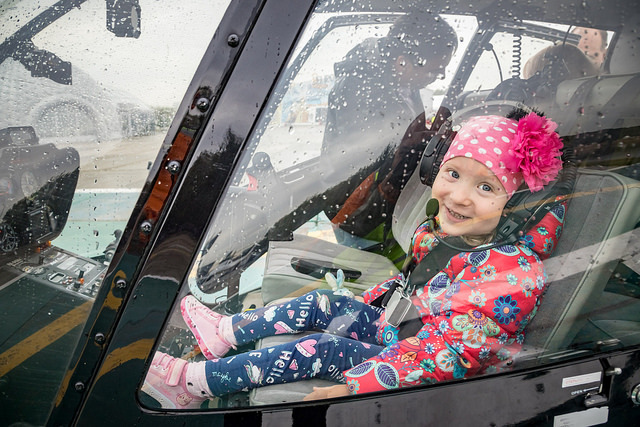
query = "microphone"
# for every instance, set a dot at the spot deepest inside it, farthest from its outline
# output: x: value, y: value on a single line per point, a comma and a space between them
x: 432, y: 209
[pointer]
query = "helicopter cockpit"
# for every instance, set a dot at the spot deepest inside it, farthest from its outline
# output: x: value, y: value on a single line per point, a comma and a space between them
x: 343, y: 132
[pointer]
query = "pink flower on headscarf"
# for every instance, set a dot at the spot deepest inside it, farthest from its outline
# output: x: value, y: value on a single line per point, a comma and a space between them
x: 535, y: 151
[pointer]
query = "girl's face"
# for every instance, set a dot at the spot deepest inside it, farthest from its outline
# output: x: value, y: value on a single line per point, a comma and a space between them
x: 471, y: 198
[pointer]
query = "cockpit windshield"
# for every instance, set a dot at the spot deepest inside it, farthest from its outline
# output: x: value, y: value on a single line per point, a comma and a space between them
x: 328, y: 198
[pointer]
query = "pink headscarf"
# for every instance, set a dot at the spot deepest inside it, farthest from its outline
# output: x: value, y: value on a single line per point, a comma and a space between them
x: 527, y: 150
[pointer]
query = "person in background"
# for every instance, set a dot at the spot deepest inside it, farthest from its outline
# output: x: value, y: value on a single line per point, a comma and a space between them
x: 593, y: 43
x: 375, y: 97
x: 557, y: 63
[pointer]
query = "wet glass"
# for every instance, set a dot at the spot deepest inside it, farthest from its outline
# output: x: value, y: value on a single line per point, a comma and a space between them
x: 88, y: 92
x: 327, y: 196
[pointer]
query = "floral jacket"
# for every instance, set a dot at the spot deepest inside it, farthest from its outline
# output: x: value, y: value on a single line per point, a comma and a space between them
x: 474, y: 312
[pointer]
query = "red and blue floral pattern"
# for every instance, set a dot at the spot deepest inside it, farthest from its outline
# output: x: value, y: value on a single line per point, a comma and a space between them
x: 474, y: 312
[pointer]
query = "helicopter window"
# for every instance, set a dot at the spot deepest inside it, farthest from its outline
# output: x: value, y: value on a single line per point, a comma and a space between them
x: 327, y: 196
x: 331, y: 53
x: 529, y: 62
x: 506, y: 54
x: 302, y: 112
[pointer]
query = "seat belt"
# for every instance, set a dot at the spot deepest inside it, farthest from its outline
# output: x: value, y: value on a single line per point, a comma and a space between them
x: 419, y: 275
x: 424, y: 271
x: 433, y: 262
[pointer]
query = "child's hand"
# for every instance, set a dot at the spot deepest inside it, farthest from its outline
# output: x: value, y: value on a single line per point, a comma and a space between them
x: 337, y: 284
x: 327, y: 392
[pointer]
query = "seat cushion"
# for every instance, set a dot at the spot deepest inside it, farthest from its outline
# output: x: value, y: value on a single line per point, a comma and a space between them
x: 282, y: 280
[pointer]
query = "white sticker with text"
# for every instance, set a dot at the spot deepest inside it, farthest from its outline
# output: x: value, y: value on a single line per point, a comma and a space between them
x: 590, y: 417
x: 581, y: 379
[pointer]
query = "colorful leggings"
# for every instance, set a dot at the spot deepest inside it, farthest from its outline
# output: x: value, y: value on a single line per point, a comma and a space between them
x: 351, y: 328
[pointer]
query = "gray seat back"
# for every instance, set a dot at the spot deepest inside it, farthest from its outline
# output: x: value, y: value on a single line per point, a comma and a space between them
x: 601, y: 215
x: 409, y: 211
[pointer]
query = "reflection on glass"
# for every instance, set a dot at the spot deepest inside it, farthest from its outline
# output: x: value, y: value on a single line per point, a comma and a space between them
x: 86, y: 105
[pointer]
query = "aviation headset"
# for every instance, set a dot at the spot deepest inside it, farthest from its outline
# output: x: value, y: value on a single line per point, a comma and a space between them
x: 523, y: 210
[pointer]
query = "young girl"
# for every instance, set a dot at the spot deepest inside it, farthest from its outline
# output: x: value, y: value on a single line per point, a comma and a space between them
x: 474, y: 311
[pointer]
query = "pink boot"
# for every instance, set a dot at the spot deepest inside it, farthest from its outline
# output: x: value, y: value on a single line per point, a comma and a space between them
x: 206, y: 327
x: 166, y: 383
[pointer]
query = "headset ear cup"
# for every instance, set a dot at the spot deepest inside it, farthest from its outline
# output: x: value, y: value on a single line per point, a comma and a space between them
x: 434, y: 153
x: 428, y: 159
x: 434, y: 172
x: 441, y: 150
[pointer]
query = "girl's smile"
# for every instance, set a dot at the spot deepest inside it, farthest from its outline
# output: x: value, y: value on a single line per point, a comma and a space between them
x: 455, y: 217
x: 471, y: 198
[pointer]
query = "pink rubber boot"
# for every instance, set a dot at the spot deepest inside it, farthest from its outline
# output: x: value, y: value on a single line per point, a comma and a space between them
x: 208, y: 327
